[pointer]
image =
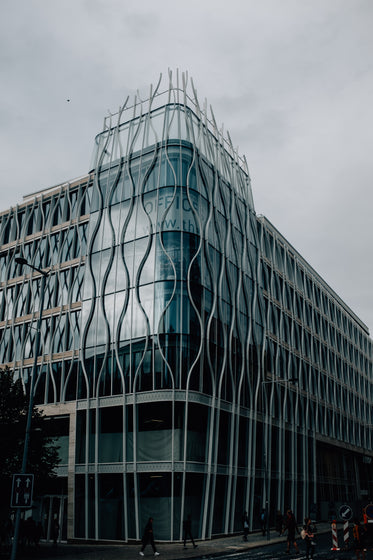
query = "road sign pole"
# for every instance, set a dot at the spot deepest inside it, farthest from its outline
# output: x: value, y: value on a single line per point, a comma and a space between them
x: 30, y: 404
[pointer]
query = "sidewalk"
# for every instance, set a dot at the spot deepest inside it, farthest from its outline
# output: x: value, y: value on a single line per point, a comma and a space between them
x: 168, y: 551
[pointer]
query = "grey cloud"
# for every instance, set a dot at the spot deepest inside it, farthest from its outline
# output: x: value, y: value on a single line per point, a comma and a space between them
x: 291, y: 81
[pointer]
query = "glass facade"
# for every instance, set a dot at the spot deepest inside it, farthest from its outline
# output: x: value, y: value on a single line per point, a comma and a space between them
x: 318, y: 363
x: 203, y: 366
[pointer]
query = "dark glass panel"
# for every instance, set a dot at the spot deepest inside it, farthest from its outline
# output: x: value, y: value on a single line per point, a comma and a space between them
x: 224, y: 437
x: 77, y: 284
x: 168, y: 261
x: 146, y: 381
x: 46, y: 207
x: 220, y: 497
x: 198, y: 418
x: 68, y: 245
x: 194, y: 499
x: 166, y: 369
x: 243, y: 441
x: 189, y: 176
x: 40, y: 386
x: 103, y: 182
x: 54, y: 382
x: 130, y: 490
x: 56, y: 211
x: 110, y: 514
x: 167, y: 313
x: 190, y: 365
x: 73, y: 196
x: 58, y: 334
x: 152, y: 179
x: 111, y: 435
x: 72, y: 371
x: 22, y: 221
x: 155, y: 492
x: 79, y: 506
x: 155, y: 416
x: 92, y: 434
x: 91, y: 506
x: 177, y: 495
x: 240, y: 502
x: 57, y: 428
x: 83, y: 389
x: 122, y: 363
x: 7, y: 228
x: 82, y: 240
x: 81, y: 419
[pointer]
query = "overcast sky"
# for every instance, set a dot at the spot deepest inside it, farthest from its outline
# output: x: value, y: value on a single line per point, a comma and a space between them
x: 292, y: 81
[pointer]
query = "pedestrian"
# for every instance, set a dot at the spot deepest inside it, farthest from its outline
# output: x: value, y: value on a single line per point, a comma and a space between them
x: 263, y: 521
x: 245, y: 526
x: 359, y: 536
x: 279, y: 522
x: 308, y: 534
x: 365, y: 518
x: 30, y: 527
x: 55, y: 531
x: 38, y: 534
x: 148, y: 538
x: 187, y: 526
x: 290, y: 525
x: 4, y: 536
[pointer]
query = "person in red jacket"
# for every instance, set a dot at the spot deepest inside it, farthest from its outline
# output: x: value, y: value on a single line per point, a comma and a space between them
x: 358, y: 533
x: 290, y: 525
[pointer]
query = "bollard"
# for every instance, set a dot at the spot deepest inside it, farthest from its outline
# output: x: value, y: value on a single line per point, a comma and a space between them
x: 346, y: 534
x: 334, y: 536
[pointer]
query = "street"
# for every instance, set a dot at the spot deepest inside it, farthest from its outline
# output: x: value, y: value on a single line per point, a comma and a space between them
x: 277, y: 550
x: 230, y: 548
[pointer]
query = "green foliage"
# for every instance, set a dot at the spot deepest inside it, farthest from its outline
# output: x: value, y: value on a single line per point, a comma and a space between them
x: 43, y: 454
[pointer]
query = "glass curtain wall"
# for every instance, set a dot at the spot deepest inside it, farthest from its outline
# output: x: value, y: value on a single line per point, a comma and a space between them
x: 172, y: 328
x: 315, y: 347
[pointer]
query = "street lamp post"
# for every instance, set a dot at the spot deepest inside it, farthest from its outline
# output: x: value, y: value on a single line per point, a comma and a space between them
x: 265, y: 455
x: 44, y: 274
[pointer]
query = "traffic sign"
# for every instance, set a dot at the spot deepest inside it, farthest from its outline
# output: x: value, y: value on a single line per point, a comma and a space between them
x: 369, y: 511
x: 22, y: 487
x: 345, y: 513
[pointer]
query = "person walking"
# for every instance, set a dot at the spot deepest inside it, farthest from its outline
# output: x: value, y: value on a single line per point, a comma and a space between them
x: 358, y: 534
x: 148, y: 538
x: 309, y: 537
x: 279, y: 522
x: 263, y: 521
x: 290, y: 525
x: 245, y: 526
x: 55, y: 530
x: 187, y: 526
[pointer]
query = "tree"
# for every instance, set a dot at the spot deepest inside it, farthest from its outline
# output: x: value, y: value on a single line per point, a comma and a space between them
x: 43, y: 453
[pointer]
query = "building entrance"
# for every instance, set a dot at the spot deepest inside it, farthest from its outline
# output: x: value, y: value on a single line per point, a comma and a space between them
x: 54, y: 518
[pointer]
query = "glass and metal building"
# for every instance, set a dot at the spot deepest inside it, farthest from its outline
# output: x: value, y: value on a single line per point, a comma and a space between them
x: 191, y: 361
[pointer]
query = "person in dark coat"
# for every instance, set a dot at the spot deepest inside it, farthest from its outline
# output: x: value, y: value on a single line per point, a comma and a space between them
x: 245, y: 526
x: 279, y: 522
x: 263, y: 521
x: 55, y: 531
x: 148, y: 538
x: 290, y: 525
x: 187, y: 526
x: 309, y: 537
